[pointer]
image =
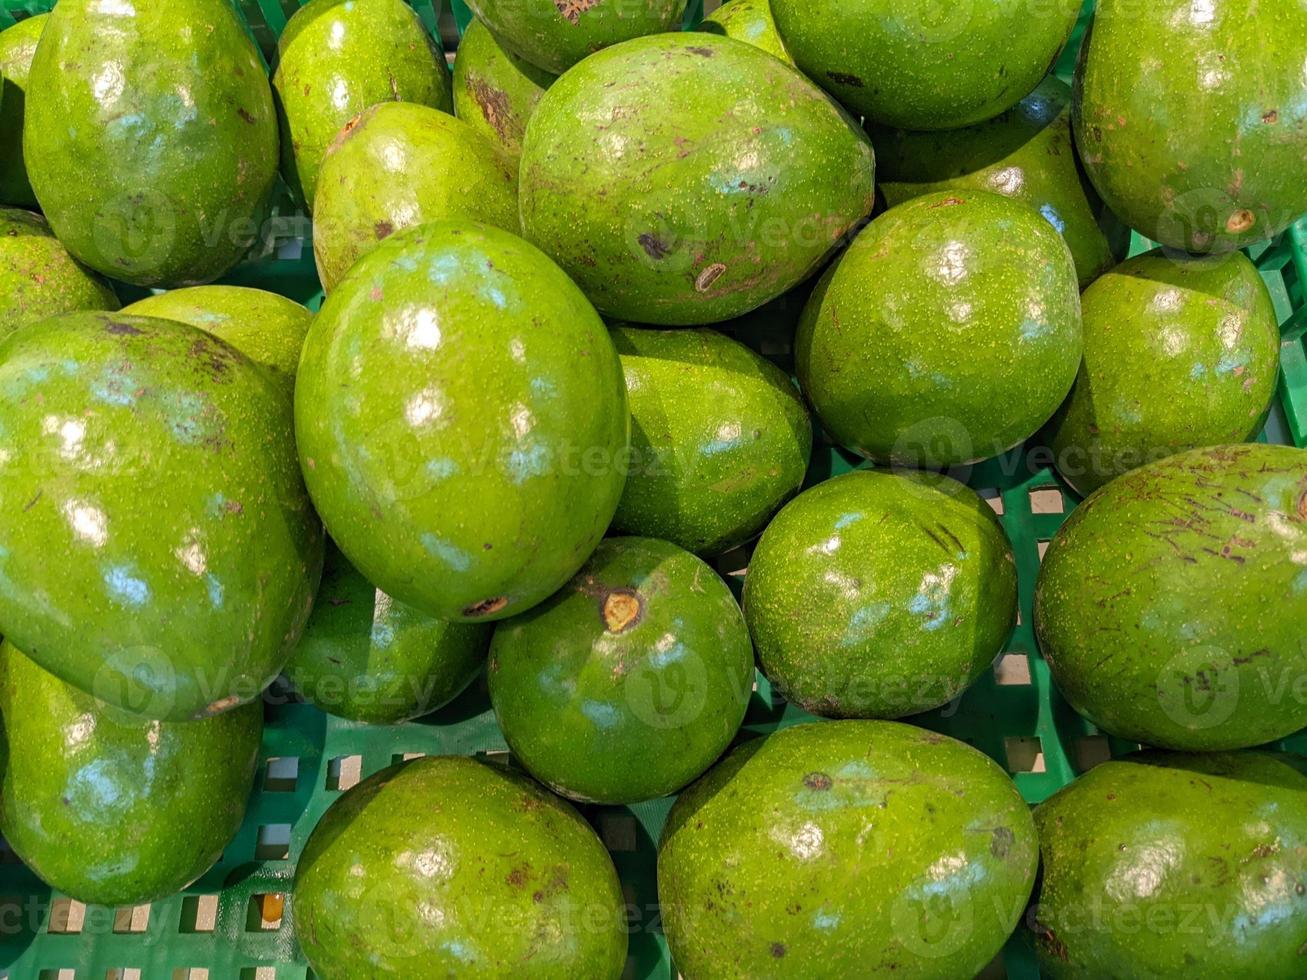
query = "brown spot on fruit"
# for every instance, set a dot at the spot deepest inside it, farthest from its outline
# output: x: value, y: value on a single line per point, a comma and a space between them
x: 246, y: 115
x: 493, y: 103
x: 709, y: 276
x: 622, y: 609
x: 1001, y: 841
x: 1240, y: 221
x: 1302, y: 506
x: 778, y: 950
x: 516, y: 877
x: 653, y: 246
x: 844, y: 78
x: 948, y: 202
x: 1272, y: 117
x: 702, y: 52
x: 486, y: 607
x: 817, y: 780
x: 121, y: 329
x: 217, y: 707
x: 383, y: 229
x: 573, y: 9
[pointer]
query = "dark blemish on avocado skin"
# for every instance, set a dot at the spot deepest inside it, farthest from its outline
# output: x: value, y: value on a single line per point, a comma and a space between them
x: 702, y: 52
x: 653, y: 246
x: 516, y: 877
x: 843, y: 78
x: 778, y: 950
x: 1272, y: 117
x: 948, y: 202
x: 817, y: 780
x: 122, y: 329
x: 383, y: 229
x: 1001, y: 842
x: 245, y: 114
x: 486, y: 607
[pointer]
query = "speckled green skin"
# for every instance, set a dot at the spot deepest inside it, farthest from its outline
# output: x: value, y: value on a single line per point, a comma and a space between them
x: 17, y: 46
x: 398, y: 167
x: 919, y: 65
x: 113, y: 810
x: 750, y: 21
x: 556, y: 34
x: 1179, y: 353
x: 1025, y: 154
x: 947, y: 333
x: 720, y: 438
x: 337, y: 58
x: 267, y: 328
x: 151, y: 137
x: 846, y: 849
x: 1171, y: 604
x: 461, y: 421
x: 157, y: 462
x: 1164, y: 865
x: 879, y: 595
x: 366, y: 657
x: 445, y: 866
x: 630, y: 681
x: 688, y: 178
x: 1203, y: 148
x: 495, y: 91
x: 38, y: 278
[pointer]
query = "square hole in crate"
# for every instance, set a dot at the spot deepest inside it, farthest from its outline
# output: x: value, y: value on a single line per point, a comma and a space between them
x: 273, y: 843
x: 281, y: 775
x: 1042, y: 545
x: 618, y: 831
x: 344, y: 771
x: 259, y: 973
x: 123, y: 973
x: 1013, y: 668
x: 1092, y: 750
x: 994, y: 497
x: 131, y: 919
x: 265, y: 912
x: 1024, y: 754
x: 66, y: 917
x: 1047, y: 500
x: 399, y: 757
x: 199, y: 914
x: 65, y: 973
x: 190, y: 973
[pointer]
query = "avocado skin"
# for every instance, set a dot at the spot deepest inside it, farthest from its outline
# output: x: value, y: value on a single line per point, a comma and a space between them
x: 38, y: 278
x: 111, y: 809
x: 17, y: 46
x: 1169, y: 865
x: 750, y: 21
x: 445, y: 866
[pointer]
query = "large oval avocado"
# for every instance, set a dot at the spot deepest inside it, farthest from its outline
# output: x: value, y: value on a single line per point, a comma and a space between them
x: 157, y: 462
x: 879, y: 595
x: 1170, y: 605
x: 114, y: 810
x: 688, y: 178
x: 337, y: 58
x: 1024, y: 153
x: 1191, y: 118
x: 445, y: 866
x: 750, y: 21
x: 719, y: 438
x: 151, y: 137
x: 846, y: 849
x: 38, y: 278
x: 398, y: 166
x: 366, y: 657
x: 919, y: 65
x: 462, y: 421
x: 940, y: 306
x: 17, y: 47
x: 630, y: 681
x: 1179, y: 353
x: 1170, y: 866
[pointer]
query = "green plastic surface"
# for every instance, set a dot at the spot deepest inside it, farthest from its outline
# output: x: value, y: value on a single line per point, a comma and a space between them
x: 232, y: 923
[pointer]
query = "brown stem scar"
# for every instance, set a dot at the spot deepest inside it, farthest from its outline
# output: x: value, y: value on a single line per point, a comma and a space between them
x: 622, y: 610
x: 709, y: 276
x: 486, y: 607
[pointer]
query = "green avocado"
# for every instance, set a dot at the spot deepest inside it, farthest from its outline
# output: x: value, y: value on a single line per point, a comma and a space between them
x: 846, y: 849
x: 917, y: 65
x: 151, y: 137
x: 446, y: 866
x: 1191, y: 118
x: 495, y: 91
x: 17, y: 46
x: 879, y: 595
x: 461, y: 421
x: 1025, y: 153
x: 114, y: 810
x: 1180, y: 352
x: 337, y: 58
x: 716, y: 178
x: 157, y: 462
x: 398, y: 166
x: 1166, y: 865
x: 947, y: 333
x: 267, y: 328
x: 556, y: 34
x: 630, y: 681
x: 38, y: 278
x: 720, y: 438
x: 366, y: 657
x: 750, y: 21
x: 1200, y: 560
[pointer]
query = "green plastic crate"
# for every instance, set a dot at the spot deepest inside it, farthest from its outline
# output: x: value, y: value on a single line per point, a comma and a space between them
x: 232, y: 923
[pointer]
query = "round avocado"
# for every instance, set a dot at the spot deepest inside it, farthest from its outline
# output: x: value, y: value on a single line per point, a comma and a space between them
x: 926, y: 66
x: 630, y: 681
x: 1170, y: 865
x: 947, y: 333
x: 157, y: 462
x: 398, y: 166
x: 720, y: 438
x: 38, y: 278
x: 750, y: 21
x: 1199, y: 560
x: 1180, y: 352
x: 718, y: 178
x: 267, y: 328
x: 116, y: 810
x: 461, y: 421
x: 446, y: 866
x: 556, y: 34
x: 879, y: 595
x: 847, y: 848
x: 1024, y: 153
x: 1201, y: 148
x: 17, y: 46
x: 337, y: 58
x: 366, y: 657
x: 495, y: 91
